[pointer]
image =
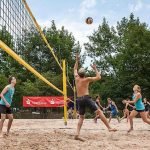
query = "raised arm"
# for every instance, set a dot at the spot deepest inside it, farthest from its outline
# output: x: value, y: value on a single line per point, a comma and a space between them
x: 76, y: 66
x: 98, y: 75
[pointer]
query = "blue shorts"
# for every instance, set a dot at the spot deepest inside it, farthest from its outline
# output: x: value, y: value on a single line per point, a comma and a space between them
x: 114, y: 113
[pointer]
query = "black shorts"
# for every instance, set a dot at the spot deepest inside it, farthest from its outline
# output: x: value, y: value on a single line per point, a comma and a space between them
x: 147, y: 109
x: 140, y: 110
x: 5, y: 110
x: 86, y: 102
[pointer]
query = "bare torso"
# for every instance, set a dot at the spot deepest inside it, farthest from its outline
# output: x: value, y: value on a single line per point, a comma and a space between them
x: 82, y: 86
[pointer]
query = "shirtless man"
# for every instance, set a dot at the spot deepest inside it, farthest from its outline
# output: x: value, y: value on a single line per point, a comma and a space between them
x: 83, y: 98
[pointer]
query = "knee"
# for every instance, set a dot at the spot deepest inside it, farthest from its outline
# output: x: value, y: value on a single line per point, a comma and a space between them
x: 3, y: 119
x: 81, y: 118
x: 99, y: 112
x: 145, y: 120
x: 11, y: 118
x: 130, y: 117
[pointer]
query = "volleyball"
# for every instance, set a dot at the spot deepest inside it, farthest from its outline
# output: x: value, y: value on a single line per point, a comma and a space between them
x: 89, y: 20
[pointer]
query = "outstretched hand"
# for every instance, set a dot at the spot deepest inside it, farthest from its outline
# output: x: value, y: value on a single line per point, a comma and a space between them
x: 93, y: 66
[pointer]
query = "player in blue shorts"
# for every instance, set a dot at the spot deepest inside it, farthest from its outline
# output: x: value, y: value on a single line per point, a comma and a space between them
x: 113, y: 108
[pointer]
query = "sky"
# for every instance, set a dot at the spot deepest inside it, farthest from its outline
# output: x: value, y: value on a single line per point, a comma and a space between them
x: 72, y: 13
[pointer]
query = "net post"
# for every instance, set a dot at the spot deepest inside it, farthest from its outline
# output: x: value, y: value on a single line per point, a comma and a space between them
x: 65, y: 92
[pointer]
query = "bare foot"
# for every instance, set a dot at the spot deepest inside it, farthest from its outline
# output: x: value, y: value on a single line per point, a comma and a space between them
x: 6, y: 134
x: 112, y: 130
x: 131, y: 129
x: 78, y: 138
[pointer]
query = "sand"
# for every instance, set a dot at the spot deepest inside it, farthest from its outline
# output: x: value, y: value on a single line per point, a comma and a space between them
x: 51, y: 134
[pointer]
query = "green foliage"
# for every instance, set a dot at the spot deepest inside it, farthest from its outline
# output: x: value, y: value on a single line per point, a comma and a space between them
x: 34, y: 51
x: 123, y: 55
x: 3, y: 81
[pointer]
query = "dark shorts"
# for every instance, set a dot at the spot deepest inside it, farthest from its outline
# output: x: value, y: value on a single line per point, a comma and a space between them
x: 86, y: 102
x: 140, y: 110
x: 5, y: 110
x: 147, y: 108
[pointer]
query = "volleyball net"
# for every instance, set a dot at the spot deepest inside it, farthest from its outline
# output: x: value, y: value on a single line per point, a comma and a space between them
x: 18, y: 29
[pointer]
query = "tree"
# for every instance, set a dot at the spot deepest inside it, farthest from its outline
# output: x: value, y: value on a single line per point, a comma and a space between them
x: 123, y: 55
x: 31, y: 48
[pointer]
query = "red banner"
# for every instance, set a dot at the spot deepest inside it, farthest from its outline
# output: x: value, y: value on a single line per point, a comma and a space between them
x: 51, y: 101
